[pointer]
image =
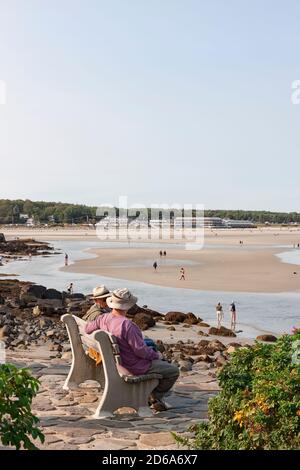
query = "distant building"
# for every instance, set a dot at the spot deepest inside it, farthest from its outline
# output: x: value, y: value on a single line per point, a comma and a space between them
x: 109, y: 222
x: 229, y: 223
x: 24, y: 216
x: 197, y: 222
x: 30, y: 222
x: 160, y: 223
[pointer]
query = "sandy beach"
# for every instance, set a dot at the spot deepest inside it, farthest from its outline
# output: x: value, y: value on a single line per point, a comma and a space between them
x: 236, y: 270
x: 222, y: 265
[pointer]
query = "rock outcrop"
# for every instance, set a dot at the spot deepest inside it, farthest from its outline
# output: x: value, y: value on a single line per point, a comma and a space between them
x: 222, y: 331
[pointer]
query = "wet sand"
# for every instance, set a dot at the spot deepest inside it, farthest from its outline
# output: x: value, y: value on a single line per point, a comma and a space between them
x: 228, y: 269
x: 223, y: 265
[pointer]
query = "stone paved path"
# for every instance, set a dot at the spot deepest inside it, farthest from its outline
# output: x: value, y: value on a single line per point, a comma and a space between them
x: 66, y: 416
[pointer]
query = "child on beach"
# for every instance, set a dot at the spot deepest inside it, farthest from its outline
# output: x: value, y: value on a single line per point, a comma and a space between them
x: 155, y: 265
x: 182, y: 274
x: 220, y: 315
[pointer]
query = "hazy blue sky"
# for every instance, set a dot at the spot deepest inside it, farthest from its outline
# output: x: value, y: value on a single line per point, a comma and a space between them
x: 185, y: 101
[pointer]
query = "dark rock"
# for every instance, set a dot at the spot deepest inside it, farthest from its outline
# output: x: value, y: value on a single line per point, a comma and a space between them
x: 221, y: 331
x: 191, y: 319
x: 160, y: 346
x: 137, y: 309
x: 185, y: 366
x: 2, y: 238
x: 204, y: 358
x: 201, y: 333
x: 52, y: 294
x: 76, y: 296
x: 203, y: 324
x: 143, y: 321
x: 175, y: 316
x: 36, y: 291
x: 216, y: 345
x: 220, y: 360
x: 171, y: 328
x: 267, y: 338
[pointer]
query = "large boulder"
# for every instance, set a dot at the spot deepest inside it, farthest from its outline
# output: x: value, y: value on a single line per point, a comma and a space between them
x: 191, y: 319
x: 137, y: 309
x: 175, y: 316
x: 77, y: 296
x: 267, y: 338
x: 52, y: 294
x: 222, y: 331
x: 143, y: 321
x: 36, y: 291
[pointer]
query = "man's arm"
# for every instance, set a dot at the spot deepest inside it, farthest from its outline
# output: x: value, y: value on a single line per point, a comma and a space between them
x: 135, y: 340
x: 93, y: 325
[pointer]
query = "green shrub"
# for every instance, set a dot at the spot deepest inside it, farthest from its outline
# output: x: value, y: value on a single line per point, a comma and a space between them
x: 17, y: 423
x: 258, y: 406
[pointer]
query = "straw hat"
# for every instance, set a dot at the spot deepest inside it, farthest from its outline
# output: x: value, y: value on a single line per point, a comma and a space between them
x: 100, y: 292
x: 121, y: 299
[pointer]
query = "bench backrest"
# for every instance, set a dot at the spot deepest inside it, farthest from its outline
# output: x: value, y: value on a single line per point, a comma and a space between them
x: 101, y: 341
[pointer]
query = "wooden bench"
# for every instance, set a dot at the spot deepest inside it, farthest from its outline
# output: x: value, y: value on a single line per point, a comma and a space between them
x: 118, y: 390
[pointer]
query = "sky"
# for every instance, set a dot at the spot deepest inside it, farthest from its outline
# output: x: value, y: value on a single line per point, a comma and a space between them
x: 162, y: 101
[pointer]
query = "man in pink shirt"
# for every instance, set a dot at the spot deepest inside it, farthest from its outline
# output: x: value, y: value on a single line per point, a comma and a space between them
x: 136, y: 356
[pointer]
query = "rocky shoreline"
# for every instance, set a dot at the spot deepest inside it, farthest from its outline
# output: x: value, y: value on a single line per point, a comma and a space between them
x: 30, y: 315
x: 19, y: 248
x: 35, y: 337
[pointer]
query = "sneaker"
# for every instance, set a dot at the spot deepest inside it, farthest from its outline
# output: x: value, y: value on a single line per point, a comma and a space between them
x: 159, y: 405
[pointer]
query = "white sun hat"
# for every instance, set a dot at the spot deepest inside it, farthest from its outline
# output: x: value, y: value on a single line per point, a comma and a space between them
x: 121, y: 299
x: 101, y: 292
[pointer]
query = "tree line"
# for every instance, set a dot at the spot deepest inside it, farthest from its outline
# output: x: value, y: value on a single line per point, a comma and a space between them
x: 16, y: 211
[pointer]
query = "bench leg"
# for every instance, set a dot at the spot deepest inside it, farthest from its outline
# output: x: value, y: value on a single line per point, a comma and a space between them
x: 126, y: 395
x: 82, y: 368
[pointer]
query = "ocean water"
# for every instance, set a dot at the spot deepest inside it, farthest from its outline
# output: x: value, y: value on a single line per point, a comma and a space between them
x: 256, y: 312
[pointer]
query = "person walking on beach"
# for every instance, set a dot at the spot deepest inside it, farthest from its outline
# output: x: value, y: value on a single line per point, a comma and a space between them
x: 66, y: 259
x: 136, y: 357
x: 220, y: 315
x: 100, y: 295
x: 233, y: 316
x: 155, y: 265
x: 160, y: 254
x: 29, y: 256
x: 70, y: 289
x: 165, y: 253
x: 182, y: 274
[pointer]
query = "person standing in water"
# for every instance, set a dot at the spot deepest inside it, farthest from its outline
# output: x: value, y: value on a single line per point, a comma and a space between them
x: 66, y: 259
x: 182, y: 274
x: 233, y: 316
x: 220, y: 315
x: 70, y: 289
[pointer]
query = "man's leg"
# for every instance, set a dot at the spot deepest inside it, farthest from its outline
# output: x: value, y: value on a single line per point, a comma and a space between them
x: 170, y: 373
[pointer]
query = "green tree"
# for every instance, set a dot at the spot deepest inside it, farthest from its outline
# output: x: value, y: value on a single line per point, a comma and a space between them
x: 17, y: 423
x: 258, y: 407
